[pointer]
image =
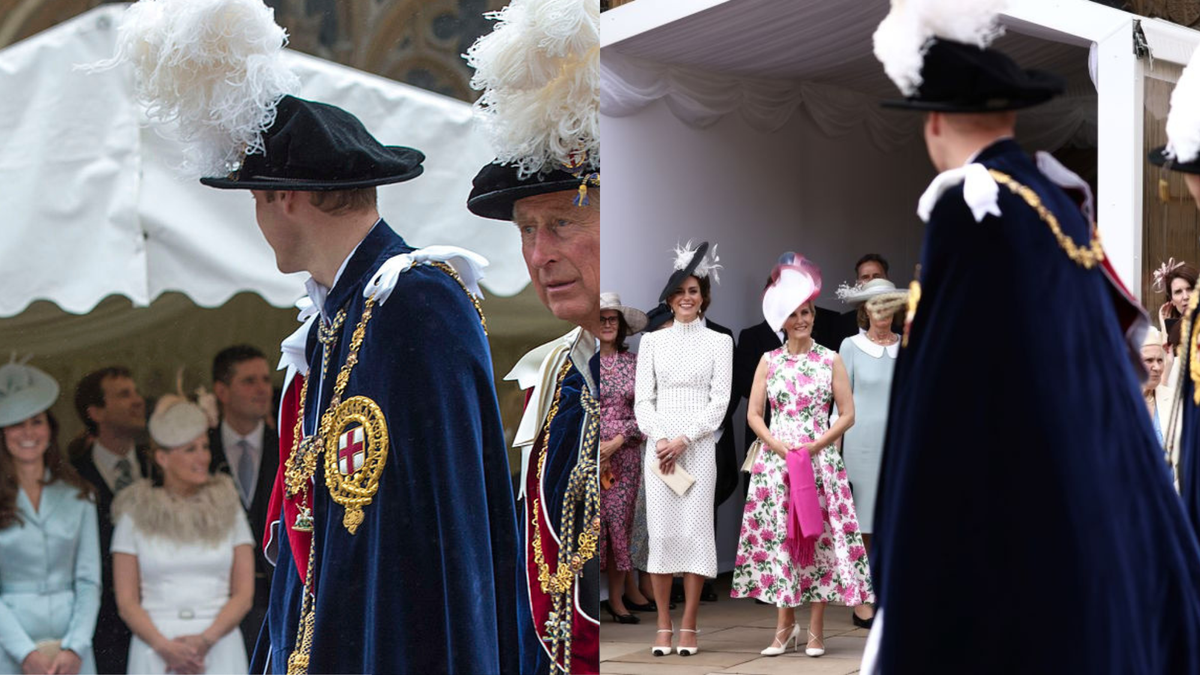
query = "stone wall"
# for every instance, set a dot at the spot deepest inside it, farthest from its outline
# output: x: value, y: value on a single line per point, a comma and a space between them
x: 419, y: 42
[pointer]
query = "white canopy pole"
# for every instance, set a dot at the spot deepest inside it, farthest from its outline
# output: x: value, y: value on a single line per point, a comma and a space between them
x: 1119, y: 118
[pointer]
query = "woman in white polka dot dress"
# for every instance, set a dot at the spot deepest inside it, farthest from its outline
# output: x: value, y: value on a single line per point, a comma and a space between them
x: 683, y: 384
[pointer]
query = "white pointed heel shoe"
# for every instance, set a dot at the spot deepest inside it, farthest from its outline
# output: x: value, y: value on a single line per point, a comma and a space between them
x: 687, y: 651
x: 663, y: 651
x: 815, y: 651
x: 794, y: 638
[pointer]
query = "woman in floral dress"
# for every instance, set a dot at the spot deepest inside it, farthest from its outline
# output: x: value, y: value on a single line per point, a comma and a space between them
x: 800, y: 380
x: 620, y: 446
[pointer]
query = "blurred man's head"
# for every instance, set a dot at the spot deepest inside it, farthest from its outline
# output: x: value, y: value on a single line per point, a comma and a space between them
x: 242, y: 383
x: 870, y: 266
x: 108, y: 403
x: 951, y: 138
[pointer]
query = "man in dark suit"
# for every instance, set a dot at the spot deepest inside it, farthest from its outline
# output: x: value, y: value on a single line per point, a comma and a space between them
x: 727, y: 464
x: 107, y: 456
x: 870, y: 266
x: 246, y: 448
x: 752, y: 343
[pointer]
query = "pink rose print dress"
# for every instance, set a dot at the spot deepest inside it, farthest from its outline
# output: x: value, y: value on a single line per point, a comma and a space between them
x: 800, y: 393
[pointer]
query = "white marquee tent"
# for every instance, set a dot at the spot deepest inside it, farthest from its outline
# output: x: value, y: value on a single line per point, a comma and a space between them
x: 756, y: 124
x: 86, y: 186
x: 107, y: 256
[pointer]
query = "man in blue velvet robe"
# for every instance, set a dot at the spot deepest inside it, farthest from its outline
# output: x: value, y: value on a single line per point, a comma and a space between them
x: 1020, y: 466
x: 558, y: 435
x: 543, y: 123
x: 408, y: 563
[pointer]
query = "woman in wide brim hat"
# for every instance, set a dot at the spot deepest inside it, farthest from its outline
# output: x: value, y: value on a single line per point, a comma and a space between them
x: 49, y: 537
x: 870, y: 359
x: 684, y: 380
x: 620, y: 442
x: 799, y: 530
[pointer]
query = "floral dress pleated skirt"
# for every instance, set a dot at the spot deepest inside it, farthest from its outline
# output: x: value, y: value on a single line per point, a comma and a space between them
x: 800, y: 393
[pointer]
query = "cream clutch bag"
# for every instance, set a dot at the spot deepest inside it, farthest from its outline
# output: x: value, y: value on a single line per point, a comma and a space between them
x: 752, y: 455
x: 49, y: 648
x: 679, y: 481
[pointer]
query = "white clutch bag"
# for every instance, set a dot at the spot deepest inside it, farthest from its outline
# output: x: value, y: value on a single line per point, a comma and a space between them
x: 679, y: 480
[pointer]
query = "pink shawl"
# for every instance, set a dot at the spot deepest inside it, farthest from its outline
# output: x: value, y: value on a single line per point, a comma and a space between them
x: 804, y: 522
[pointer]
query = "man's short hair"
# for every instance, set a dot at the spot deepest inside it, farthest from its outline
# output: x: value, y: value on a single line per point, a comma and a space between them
x: 227, y: 359
x: 90, y: 392
x: 871, y: 257
x: 338, y: 202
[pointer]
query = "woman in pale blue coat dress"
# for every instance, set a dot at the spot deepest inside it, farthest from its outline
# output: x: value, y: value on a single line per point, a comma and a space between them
x: 870, y: 358
x: 49, y: 541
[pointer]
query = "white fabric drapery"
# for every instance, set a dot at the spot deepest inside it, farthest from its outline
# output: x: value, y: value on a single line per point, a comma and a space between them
x: 701, y: 99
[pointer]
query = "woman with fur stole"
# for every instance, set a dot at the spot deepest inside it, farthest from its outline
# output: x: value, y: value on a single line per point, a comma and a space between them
x: 183, y: 554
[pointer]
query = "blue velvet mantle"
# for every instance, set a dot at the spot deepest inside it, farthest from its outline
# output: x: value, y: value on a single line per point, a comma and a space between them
x: 428, y: 582
x: 1025, y: 522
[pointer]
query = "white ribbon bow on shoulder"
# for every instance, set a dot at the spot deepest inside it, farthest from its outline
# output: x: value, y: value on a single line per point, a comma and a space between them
x: 292, y: 347
x: 468, y: 264
x: 980, y: 191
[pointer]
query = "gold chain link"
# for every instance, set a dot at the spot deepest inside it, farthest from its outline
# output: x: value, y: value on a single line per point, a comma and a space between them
x: 562, y: 577
x: 474, y: 300
x: 1084, y: 257
x: 298, y: 660
x: 1186, y: 337
x: 560, y: 584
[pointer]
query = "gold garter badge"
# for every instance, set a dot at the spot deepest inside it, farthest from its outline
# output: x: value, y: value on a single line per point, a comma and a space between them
x: 356, y: 442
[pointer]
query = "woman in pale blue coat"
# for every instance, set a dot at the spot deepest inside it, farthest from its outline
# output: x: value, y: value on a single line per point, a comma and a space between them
x: 870, y: 358
x: 49, y: 542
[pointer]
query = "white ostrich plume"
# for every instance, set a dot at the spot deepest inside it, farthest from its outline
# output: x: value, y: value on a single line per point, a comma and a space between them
x: 212, y: 69
x: 902, y: 38
x: 1183, y: 122
x: 709, y: 265
x: 539, y: 71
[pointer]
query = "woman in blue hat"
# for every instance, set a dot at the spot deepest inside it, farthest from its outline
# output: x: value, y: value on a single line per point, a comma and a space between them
x: 49, y: 541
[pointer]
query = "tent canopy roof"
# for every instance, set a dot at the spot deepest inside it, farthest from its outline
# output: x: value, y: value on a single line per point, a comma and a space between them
x: 90, y: 205
x: 813, y: 41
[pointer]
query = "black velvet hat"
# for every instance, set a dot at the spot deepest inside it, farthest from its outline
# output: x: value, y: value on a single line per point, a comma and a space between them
x: 497, y: 187
x: 316, y: 146
x: 960, y: 78
x: 1158, y: 157
x: 662, y: 313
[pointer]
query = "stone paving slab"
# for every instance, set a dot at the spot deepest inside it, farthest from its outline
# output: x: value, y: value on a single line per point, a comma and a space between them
x: 791, y: 665
x: 733, y: 632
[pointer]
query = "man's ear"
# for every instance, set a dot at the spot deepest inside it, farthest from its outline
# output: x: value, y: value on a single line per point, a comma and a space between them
x: 290, y: 200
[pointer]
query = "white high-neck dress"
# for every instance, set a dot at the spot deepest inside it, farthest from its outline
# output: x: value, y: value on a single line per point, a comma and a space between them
x: 683, y: 384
